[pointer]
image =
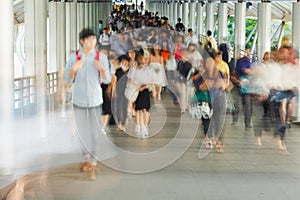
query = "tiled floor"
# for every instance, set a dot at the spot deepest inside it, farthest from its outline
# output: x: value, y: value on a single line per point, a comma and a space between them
x: 49, y: 168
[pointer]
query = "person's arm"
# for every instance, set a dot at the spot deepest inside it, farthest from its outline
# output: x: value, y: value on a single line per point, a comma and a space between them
x: 72, y: 67
x: 103, y: 68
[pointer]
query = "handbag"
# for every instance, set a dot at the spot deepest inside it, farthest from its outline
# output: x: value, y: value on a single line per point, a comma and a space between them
x: 131, y: 91
x: 171, y: 64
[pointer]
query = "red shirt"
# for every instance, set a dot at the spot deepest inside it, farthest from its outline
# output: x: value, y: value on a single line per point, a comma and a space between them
x: 178, y: 51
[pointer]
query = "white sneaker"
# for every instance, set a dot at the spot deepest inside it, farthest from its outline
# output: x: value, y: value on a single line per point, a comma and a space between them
x: 103, y: 131
x: 137, y: 128
x: 144, y: 132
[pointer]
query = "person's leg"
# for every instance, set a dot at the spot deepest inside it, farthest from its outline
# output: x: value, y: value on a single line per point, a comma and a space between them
x: 154, y: 93
x: 158, y: 90
x: 205, y: 123
x: 182, y: 93
x: 282, y: 112
x: 138, y: 121
x: 146, y: 117
x: 219, y: 119
x: 236, y: 98
x: 144, y: 123
x: 279, y: 131
x: 105, y: 119
x: 247, y: 104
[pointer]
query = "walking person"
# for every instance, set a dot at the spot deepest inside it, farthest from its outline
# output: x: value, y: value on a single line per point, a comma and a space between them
x: 86, y: 69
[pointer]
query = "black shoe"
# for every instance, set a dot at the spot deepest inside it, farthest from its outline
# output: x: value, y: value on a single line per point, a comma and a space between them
x: 248, y: 126
x: 233, y: 123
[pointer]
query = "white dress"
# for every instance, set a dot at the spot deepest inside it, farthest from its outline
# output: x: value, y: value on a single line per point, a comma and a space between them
x: 160, y: 74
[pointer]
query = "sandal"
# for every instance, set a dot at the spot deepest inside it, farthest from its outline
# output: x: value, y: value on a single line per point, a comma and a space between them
x: 208, y: 144
x: 219, y: 147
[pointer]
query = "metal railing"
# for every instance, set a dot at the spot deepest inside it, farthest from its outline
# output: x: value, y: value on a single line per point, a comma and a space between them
x: 25, y: 89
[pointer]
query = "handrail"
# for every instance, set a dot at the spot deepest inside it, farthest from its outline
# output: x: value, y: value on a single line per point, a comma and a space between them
x: 25, y: 89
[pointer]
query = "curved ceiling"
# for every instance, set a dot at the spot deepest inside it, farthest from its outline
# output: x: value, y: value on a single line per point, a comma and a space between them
x: 281, y: 10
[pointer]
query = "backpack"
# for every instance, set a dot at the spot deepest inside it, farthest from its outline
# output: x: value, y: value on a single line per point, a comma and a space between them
x: 78, y: 57
x: 97, y: 57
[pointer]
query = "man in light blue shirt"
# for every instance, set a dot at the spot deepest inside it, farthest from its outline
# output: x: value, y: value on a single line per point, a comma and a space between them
x: 86, y: 69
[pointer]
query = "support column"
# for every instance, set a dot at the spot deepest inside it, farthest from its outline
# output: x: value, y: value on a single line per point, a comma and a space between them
x: 168, y: 9
x: 222, y: 15
x: 79, y: 18
x: 86, y: 15
x: 7, y: 88
x: 180, y: 8
x: 296, y: 27
x: 73, y: 27
x: 95, y: 21
x: 40, y: 64
x: 162, y: 8
x: 296, y: 41
x: 175, y: 13
x: 97, y: 14
x: 171, y: 13
x: 263, y: 29
x: 61, y: 35
x: 91, y: 22
x: 210, y: 21
x: 192, y: 16
x: 68, y: 28
x: 199, y: 19
x: 53, y: 29
x: 29, y: 13
x: 240, y: 28
x: 185, y: 14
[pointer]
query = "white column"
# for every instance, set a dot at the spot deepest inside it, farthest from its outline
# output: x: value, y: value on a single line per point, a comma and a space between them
x: 171, y: 13
x: 53, y: 28
x: 29, y: 13
x: 94, y: 21
x: 185, y: 14
x: 61, y: 35
x: 210, y: 21
x: 175, y: 13
x: 296, y: 27
x: 41, y: 54
x: 223, y: 32
x: 263, y: 29
x: 180, y: 12
x: 6, y: 88
x: 68, y: 28
x: 86, y: 15
x: 97, y: 14
x: 73, y: 27
x: 240, y: 28
x: 296, y: 41
x: 192, y: 12
x: 91, y: 24
x: 167, y: 9
x: 199, y: 18
x: 80, y: 17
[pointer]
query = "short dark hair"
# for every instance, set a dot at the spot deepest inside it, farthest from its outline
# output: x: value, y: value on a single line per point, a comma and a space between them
x: 179, y: 19
x: 85, y: 33
x: 189, y: 30
x: 208, y: 32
